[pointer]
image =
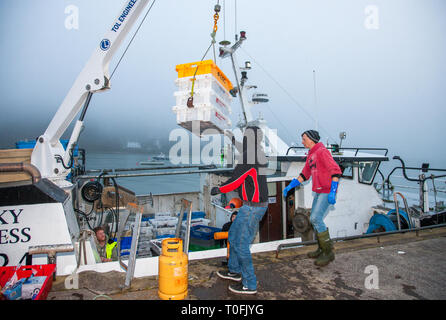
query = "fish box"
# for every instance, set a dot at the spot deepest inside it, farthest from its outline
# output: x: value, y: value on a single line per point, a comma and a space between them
x: 203, y: 67
x: 35, y: 287
x: 211, y: 99
x: 203, y: 232
x: 195, y: 215
x: 204, y: 97
x: 198, y: 120
x: 201, y: 83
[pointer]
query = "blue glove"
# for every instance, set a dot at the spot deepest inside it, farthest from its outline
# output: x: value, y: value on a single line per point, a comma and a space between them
x: 293, y: 184
x: 332, y: 194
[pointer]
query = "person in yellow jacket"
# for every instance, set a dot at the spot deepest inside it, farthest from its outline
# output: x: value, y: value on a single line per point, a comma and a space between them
x: 107, y: 250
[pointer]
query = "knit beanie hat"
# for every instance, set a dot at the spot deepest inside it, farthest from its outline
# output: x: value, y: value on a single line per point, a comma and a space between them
x: 313, y: 135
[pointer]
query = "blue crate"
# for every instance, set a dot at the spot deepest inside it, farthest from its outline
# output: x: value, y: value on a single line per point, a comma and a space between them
x: 164, y: 236
x: 195, y: 215
x: 203, y: 232
x: 126, y: 244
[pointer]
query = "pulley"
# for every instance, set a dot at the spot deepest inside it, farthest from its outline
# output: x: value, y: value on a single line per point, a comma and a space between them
x: 91, y: 191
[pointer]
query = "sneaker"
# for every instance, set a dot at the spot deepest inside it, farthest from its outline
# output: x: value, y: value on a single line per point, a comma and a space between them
x: 240, y: 288
x: 229, y: 275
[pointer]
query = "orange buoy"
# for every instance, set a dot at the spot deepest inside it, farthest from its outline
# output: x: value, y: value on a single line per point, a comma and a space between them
x: 222, y: 236
x: 234, y: 203
x: 172, y: 270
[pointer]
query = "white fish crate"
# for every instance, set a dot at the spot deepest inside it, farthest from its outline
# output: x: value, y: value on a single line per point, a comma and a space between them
x: 164, y: 222
x: 196, y: 222
x: 204, y: 82
x: 209, y: 117
x: 165, y: 231
x: 204, y: 97
x: 160, y: 215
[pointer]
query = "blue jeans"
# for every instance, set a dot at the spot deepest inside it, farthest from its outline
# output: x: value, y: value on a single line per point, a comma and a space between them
x: 241, y: 234
x: 319, y: 211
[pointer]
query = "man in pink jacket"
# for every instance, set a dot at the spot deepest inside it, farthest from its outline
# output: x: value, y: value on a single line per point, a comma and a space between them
x: 325, y: 174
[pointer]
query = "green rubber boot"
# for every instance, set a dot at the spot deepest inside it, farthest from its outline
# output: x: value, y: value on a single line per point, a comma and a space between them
x: 317, y: 252
x: 326, y: 245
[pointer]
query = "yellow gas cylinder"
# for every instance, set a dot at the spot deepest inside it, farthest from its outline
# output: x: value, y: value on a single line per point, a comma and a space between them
x: 172, y: 270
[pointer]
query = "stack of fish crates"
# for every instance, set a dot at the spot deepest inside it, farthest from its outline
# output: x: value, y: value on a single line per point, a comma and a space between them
x: 211, y: 98
x: 156, y: 227
x: 164, y: 225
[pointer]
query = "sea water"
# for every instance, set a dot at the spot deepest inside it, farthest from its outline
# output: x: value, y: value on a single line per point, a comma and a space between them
x: 143, y: 185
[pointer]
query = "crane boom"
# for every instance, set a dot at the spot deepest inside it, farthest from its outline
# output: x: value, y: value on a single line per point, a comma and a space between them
x: 93, y: 78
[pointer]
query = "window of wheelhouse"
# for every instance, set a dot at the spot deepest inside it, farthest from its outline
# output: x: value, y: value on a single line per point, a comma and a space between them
x: 367, y: 171
x: 347, y: 169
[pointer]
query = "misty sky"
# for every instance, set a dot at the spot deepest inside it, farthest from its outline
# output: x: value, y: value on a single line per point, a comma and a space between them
x: 382, y: 81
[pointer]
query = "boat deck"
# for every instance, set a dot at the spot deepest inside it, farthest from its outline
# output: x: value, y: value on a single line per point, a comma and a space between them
x: 409, y: 266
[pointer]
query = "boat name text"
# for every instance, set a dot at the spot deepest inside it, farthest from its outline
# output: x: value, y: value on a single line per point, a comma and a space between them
x: 124, y: 15
x: 14, y: 235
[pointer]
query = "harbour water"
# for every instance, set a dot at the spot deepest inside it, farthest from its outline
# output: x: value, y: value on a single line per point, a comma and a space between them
x: 143, y: 185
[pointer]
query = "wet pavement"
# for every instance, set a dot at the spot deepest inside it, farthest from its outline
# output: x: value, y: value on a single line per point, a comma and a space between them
x: 402, y: 266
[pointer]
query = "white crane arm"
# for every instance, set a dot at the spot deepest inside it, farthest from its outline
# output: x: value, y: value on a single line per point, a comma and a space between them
x: 93, y: 78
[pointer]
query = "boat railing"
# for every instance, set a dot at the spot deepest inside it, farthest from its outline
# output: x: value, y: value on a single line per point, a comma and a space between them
x: 420, y: 179
x: 406, y: 207
x: 335, y: 148
x: 115, y: 173
x: 387, y: 186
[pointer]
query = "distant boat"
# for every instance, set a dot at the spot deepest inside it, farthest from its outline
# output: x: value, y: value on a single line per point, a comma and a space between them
x: 161, y: 156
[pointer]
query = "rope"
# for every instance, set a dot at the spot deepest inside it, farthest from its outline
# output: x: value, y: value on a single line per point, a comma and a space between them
x: 131, y: 40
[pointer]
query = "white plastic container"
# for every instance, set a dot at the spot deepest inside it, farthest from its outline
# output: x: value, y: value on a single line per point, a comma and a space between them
x: 206, y: 82
x: 211, y: 98
x: 209, y: 117
x: 165, y: 222
x: 196, y: 222
x: 165, y: 231
x: 204, y: 97
x: 159, y: 215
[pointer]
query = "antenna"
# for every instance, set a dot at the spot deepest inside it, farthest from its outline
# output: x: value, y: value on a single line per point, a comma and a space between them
x: 315, y: 100
x: 235, y: 20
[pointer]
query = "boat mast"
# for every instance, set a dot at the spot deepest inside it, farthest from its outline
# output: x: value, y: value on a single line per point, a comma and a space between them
x: 315, y: 101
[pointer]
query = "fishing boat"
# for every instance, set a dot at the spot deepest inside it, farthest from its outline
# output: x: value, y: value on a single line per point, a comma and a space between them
x: 161, y: 156
x: 38, y: 197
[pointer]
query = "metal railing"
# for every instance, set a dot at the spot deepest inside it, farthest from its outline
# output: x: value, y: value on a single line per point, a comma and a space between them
x: 346, y: 148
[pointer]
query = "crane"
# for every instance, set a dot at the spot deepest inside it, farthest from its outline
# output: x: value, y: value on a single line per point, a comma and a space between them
x: 48, y: 155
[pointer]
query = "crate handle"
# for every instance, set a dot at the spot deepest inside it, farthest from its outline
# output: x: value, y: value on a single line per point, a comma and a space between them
x: 26, y: 269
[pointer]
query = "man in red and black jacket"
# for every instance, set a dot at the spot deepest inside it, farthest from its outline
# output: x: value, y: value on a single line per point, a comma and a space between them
x: 251, y: 185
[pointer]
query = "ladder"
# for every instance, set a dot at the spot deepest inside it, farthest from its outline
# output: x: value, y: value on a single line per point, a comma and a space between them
x: 136, y: 226
x: 185, y: 205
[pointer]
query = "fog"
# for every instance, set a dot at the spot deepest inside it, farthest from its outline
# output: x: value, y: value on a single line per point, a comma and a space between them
x: 380, y: 69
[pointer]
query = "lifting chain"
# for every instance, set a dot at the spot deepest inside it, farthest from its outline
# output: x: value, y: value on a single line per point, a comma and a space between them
x: 217, y: 8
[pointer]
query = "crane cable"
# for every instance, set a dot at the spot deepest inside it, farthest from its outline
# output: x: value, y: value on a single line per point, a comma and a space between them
x: 131, y: 40
x: 217, y: 8
x: 289, y: 96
